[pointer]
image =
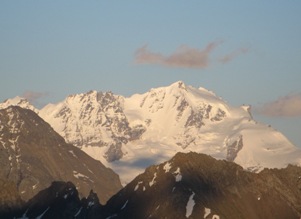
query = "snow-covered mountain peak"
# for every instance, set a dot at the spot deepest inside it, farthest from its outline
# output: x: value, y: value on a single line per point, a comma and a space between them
x: 93, y: 119
x: 201, y: 92
x: 95, y: 99
x: 179, y: 85
x: 18, y: 101
x: 176, y: 104
x: 176, y: 96
x: 247, y: 109
x: 128, y: 134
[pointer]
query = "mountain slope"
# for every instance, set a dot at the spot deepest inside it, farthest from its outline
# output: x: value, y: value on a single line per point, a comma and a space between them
x: 183, y: 118
x: 187, y: 186
x: 10, y: 200
x: 129, y: 134
x: 197, y: 186
x: 33, y: 155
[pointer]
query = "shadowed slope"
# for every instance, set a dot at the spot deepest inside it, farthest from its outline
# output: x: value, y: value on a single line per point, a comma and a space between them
x: 198, y: 186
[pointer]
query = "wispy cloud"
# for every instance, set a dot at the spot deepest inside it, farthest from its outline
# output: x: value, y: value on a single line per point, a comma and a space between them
x: 229, y: 57
x: 287, y: 106
x: 184, y: 56
x: 144, y: 56
x: 33, y: 96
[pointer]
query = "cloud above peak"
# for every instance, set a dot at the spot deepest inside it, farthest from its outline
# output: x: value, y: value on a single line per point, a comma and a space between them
x: 33, y: 96
x: 184, y: 56
x: 287, y: 106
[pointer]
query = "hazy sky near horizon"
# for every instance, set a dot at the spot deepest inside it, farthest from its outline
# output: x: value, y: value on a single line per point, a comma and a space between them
x: 247, y: 52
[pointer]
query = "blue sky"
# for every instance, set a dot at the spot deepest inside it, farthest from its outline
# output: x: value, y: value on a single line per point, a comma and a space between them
x: 247, y: 52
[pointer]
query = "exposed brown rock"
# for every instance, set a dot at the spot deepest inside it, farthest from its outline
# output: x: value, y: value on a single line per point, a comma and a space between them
x: 218, y: 186
x: 33, y: 155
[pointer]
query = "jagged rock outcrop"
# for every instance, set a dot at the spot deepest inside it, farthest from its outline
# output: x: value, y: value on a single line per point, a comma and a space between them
x: 33, y: 155
x: 60, y: 201
x: 198, y: 186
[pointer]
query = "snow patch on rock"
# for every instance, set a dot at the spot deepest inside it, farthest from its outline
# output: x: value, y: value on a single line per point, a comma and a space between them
x: 153, y: 180
x: 177, y: 174
x: 190, y: 205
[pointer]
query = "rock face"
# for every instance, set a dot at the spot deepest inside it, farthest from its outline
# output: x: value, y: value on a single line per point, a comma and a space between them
x: 198, y: 186
x: 129, y: 134
x: 60, y: 200
x: 10, y: 200
x: 33, y: 155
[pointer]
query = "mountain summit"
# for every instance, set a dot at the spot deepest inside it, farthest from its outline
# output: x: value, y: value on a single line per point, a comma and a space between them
x: 18, y: 101
x: 129, y: 134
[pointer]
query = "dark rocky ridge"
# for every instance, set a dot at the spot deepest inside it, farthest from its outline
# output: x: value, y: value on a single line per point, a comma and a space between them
x: 33, y: 155
x: 60, y: 200
x: 220, y: 187
x: 188, y: 186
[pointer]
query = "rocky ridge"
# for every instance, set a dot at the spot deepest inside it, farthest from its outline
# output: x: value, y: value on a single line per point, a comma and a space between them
x: 198, y: 186
x: 59, y: 200
x: 187, y: 186
x: 33, y: 155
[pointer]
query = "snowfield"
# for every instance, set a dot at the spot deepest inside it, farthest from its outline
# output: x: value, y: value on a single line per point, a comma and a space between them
x: 128, y: 134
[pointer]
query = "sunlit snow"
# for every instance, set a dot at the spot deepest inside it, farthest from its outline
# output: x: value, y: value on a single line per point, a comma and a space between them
x: 207, y: 212
x: 175, y: 118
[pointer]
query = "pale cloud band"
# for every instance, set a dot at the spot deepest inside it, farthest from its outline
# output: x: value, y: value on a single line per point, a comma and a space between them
x: 287, y: 106
x: 184, y: 56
